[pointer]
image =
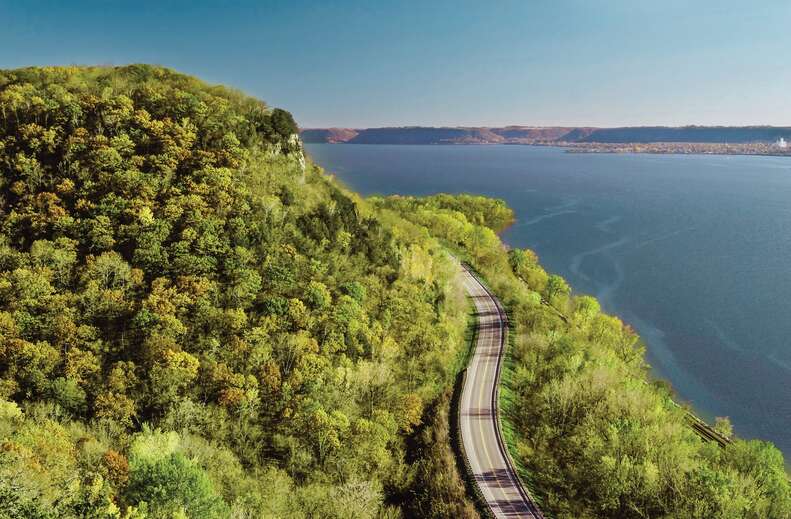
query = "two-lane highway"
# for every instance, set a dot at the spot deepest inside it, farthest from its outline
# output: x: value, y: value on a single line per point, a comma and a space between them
x: 479, y: 425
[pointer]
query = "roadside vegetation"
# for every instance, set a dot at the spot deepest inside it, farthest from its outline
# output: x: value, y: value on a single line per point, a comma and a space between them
x: 595, y: 435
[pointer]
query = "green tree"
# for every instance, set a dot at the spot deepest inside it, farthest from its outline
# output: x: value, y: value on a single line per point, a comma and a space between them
x: 172, y: 486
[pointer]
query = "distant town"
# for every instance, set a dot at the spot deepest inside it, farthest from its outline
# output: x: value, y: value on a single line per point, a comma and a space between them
x: 721, y: 140
x: 779, y: 147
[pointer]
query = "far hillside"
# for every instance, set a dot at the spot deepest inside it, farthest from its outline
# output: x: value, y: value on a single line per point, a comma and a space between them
x: 547, y: 135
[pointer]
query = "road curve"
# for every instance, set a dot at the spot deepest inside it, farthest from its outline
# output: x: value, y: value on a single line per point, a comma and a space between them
x: 479, y: 426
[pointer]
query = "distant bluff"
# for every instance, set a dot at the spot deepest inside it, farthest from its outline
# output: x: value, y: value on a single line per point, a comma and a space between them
x: 545, y: 135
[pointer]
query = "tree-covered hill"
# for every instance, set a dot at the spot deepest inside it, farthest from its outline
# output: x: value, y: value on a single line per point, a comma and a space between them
x: 195, y: 322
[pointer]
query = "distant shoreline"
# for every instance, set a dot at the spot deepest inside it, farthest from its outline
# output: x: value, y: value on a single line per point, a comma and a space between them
x: 594, y: 149
x: 754, y: 149
x: 698, y: 140
x: 666, y: 148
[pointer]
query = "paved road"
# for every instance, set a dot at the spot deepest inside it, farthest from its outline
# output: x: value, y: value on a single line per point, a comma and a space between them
x: 478, y: 413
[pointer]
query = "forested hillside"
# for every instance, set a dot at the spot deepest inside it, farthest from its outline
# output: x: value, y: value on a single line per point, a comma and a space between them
x: 594, y: 435
x: 196, y: 323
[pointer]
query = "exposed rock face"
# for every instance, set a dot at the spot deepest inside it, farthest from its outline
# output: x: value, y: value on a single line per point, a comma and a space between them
x: 295, y: 148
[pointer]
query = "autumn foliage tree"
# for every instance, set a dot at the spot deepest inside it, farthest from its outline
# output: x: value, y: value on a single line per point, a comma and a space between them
x: 173, y: 270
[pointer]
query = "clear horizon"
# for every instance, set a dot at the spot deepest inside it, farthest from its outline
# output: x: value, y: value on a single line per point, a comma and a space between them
x: 355, y: 65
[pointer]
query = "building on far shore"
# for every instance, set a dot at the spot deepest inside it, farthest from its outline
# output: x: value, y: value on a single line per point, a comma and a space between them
x: 781, y: 143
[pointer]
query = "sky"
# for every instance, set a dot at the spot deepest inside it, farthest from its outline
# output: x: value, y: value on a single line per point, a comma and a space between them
x: 439, y: 62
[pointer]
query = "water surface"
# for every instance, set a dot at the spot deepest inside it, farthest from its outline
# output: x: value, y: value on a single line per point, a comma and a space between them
x: 694, y: 251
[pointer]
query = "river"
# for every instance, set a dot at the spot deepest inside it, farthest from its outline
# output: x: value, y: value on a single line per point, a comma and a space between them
x: 694, y: 251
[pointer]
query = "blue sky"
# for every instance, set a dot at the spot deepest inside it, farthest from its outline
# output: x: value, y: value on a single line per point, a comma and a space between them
x: 372, y: 63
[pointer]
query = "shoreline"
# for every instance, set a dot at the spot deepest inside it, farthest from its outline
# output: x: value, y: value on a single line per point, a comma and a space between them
x: 594, y: 149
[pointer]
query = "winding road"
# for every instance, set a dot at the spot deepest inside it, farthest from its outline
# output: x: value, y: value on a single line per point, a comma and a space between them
x: 484, y: 446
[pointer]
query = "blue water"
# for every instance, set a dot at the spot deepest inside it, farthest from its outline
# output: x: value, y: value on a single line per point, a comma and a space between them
x: 694, y: 251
